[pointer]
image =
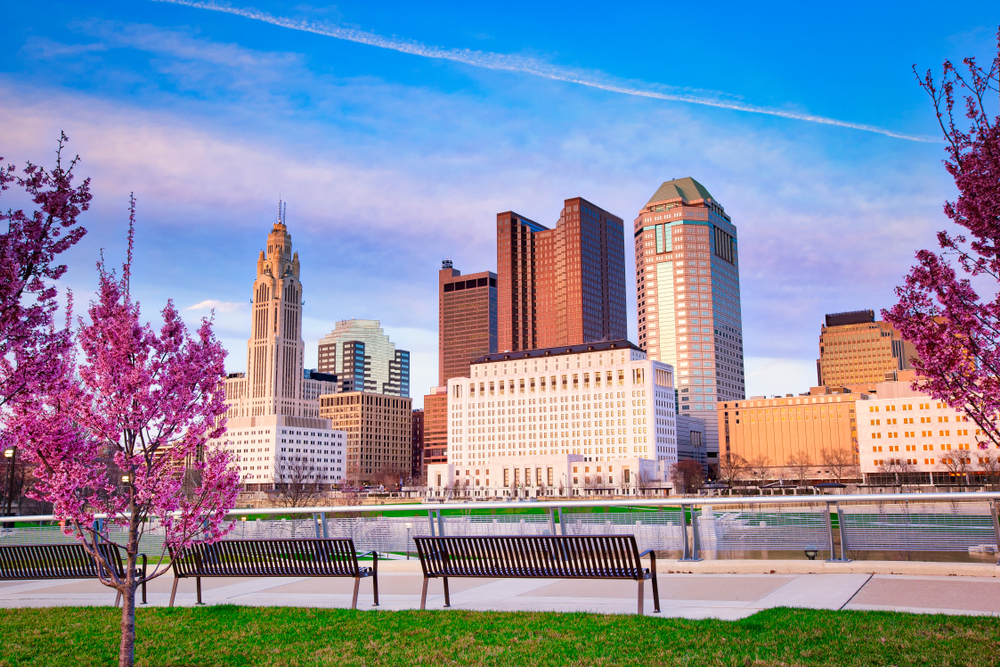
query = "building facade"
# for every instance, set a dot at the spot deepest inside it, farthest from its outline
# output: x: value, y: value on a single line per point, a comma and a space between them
x: 688, y: 298
x: 691, y: 439
x: 274, y: 428
x: 417, y: 445
x: 364, y: 359
x: 779, y: 432
x: 857, y: 351
x: 467, y: 320
x: 378, y: 429
x: 907, y: 437
x: 561, y: 286
x: 552, y: 409
x: 435, y: 428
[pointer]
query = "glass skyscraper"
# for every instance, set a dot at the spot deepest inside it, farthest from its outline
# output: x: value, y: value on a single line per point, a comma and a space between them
x: 688, y: 289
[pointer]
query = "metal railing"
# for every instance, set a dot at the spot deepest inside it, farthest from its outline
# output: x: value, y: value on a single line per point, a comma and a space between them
x: 839, y: 526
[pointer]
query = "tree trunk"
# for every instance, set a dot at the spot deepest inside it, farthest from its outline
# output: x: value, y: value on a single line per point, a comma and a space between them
x: 126, y: 653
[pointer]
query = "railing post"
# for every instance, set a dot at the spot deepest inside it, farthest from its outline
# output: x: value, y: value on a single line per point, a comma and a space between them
x: 430, y: 520
x: 995, y: 511
x: 829, y: 532
x: 842, y: 525
x: 440, y: 524
x: 562, y: 524
x: 695, y: 536
x: 552, y: 522
x: 686, y: 551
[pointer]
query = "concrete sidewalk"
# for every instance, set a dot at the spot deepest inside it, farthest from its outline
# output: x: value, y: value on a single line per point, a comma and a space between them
x: 687, y: 595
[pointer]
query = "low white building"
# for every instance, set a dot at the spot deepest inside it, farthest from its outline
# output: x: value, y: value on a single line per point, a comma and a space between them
x: 905, y: 436
x: 541, y: 422
x: 277, y: 449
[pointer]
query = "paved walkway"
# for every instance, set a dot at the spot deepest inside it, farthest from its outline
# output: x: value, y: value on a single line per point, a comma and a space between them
x: 687, y: 595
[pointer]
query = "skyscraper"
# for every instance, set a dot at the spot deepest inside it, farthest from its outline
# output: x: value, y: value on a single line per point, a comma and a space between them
x: 467, y: 319
x: 561, y: 286
x: 364, y: 359
x: 273, y: 410
x: 688, y: 284
x: 857, y: 351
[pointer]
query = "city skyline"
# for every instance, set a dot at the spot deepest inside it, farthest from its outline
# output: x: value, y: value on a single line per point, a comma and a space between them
x: 459, y: 143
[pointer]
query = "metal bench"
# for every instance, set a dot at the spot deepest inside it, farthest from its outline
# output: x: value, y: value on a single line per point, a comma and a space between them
x: 273, y: 558
x: 63, y: 561
x: 555, y: 557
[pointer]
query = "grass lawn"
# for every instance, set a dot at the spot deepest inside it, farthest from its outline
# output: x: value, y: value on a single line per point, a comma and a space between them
x: 229, y: 635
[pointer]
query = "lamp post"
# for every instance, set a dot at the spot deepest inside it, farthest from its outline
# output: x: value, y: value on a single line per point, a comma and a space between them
x: 408, y: 527
x: 11, y: 456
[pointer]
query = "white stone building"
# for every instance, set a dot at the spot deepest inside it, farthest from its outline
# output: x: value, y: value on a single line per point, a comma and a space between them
x: 595, y: 418
x: 905, y: 436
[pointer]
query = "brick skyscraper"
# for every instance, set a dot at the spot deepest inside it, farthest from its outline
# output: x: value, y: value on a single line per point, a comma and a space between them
x: 467, y: 320
x: 688, y: 283
x: 561, y: 286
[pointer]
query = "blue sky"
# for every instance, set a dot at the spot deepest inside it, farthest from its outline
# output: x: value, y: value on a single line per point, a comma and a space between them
x: 397, y: 131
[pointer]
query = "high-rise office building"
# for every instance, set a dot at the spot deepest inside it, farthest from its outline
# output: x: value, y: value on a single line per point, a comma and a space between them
x: 857, y: 351
x: 561, y: 286
x: 364, y: 359
x: 467, y: 319
x: 688, y: 284
x: 273, y: 423
x: 378, y: 434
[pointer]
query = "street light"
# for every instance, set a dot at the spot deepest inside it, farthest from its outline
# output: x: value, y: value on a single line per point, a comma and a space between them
x: 126, y: 479
x: 11, y: 456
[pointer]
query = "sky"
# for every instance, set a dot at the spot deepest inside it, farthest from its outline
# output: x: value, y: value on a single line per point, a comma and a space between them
x: 397, y: 131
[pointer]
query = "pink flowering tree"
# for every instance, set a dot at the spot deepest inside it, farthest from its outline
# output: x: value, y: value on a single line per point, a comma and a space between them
x: 949, y: 306
x: 30, y: 346
x: 123, y: 427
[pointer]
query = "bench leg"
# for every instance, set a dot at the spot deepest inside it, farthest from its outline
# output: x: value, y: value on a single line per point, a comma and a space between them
x: 173, y: 592
x: 641, y: 582
x: 198, y: 582
x: 375, y: 588
x: 656, y: 596
x: 357, y: 586
x: 423, y: 595
x: 447, y: 597
x: 144, y: 592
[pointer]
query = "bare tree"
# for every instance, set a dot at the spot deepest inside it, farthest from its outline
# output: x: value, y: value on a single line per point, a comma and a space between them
x: 799, y: 465
x: 687, y: 476
x: 989, y: 464
x: 759, y: 468
x: 643, y: 480
x: 732, y: 468
x: 841, y: 461
x: 296, y: 483
x: 899, y: 470
x: 956, y: 464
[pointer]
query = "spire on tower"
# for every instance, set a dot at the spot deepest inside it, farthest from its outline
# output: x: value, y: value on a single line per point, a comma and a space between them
x: 282, y: 211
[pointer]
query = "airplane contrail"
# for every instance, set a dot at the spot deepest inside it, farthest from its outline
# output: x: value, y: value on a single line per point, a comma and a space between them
x: 507, y: 63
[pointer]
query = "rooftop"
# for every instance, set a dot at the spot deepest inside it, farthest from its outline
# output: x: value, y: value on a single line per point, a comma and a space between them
x: 686, y: 188
x: 599, y: 346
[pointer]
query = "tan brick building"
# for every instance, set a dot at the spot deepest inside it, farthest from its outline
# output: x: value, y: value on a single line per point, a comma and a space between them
x: 378, y: 431
x: 857, y: 351
x: 779, y: 429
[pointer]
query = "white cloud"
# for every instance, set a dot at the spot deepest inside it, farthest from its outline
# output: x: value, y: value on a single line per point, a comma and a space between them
x: 213, y: 304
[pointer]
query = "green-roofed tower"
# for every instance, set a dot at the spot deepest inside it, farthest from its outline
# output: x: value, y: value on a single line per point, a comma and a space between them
x: 688, y: 289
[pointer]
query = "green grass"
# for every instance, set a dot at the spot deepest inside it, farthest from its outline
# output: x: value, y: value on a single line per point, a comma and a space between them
x: 229, y: 635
